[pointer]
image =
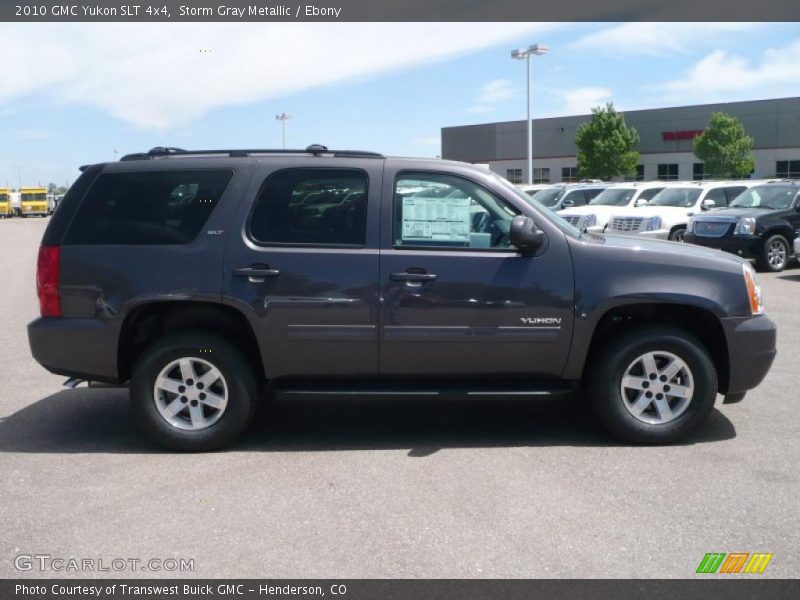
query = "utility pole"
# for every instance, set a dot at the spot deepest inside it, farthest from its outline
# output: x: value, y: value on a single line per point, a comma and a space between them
x: 283, y: 117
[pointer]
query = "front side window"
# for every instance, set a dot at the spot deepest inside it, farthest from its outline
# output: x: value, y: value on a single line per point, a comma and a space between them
x: 311, y: 207
x: 574, y: 198
x: 649, y: 193
x: 151, y: 207
x: 450, y: 212
x: 771, y: 197
x: 676, y: 196
x: 718, y: 196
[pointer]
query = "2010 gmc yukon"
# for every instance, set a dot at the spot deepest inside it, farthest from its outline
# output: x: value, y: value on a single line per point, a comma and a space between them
x: 199, y: 276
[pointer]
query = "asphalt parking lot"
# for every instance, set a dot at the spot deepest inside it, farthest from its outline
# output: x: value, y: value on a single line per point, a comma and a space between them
x: 359, y: 489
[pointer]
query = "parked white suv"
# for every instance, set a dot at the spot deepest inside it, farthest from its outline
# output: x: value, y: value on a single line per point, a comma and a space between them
x: 594, y: 216
x: 565, y: 195
x: 667, y: 214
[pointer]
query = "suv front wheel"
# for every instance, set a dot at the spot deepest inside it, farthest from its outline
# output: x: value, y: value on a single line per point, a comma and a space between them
x: 191, y: 391
x: 653, y: 385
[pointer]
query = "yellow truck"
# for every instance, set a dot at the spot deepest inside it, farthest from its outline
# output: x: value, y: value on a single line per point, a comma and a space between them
x: 33, y: 201
x: 5, y: 204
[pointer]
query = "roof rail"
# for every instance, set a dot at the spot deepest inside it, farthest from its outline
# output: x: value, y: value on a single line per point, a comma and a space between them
x: 314, y: 149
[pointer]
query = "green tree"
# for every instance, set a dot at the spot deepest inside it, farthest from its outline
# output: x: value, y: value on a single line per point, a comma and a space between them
x: 725, y: 147
x: 606, y: 145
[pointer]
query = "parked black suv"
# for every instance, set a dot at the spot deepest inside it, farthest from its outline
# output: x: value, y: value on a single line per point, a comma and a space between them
x: 198, y: 276
x: 759, y: 223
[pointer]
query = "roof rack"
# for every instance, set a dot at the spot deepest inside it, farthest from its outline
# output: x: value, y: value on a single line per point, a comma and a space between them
x: 313, y: 149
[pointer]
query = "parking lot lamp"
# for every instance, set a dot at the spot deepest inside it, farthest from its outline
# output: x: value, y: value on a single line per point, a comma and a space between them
x: 283, y: 117
x: 525, y: 54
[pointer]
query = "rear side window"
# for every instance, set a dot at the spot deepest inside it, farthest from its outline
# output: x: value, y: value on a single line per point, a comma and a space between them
x: 147, y: 208
x: 311, y: 207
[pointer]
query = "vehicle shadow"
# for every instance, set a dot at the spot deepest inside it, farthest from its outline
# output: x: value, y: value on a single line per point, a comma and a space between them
x: 790, y: 277
x: 99, y: 421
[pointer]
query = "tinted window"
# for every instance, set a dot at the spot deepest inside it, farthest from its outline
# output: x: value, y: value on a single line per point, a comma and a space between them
x: 718, y: 196
x: 576, y: 197
x: 448, y: 211
x: 649, y: 193
x: 613, y: 197
x: 154, y: 207
x: 676, y: 196
x: 732, y: 192
x: 311, y: 206
x: 548, y: 197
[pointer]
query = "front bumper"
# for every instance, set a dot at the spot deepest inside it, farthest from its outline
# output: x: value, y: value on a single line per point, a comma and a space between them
x: 83, y: 348
x: 751, y: 350
x: 746, y: 246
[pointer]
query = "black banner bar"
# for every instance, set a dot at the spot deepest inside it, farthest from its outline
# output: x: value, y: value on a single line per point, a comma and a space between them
x: 731, y: 588
x: 398, y: 11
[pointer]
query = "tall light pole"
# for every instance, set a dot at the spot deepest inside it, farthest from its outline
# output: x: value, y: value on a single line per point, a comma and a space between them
x: 283, y: 117
x: 525, y: 54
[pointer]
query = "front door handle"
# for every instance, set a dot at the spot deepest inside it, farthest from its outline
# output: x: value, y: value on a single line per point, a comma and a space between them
x: 410, y: 276
x: 256, y: 273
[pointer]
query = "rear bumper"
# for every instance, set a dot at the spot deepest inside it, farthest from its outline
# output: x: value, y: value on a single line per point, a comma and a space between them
x: 746, y: 246
x: 83, y: 348
x: 751, y: 350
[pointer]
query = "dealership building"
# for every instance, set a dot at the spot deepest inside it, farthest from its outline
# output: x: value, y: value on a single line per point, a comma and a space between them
x: 665, y: 144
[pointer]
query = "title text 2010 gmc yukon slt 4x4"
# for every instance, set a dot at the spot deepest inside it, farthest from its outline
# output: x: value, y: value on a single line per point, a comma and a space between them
x: 199, y: 276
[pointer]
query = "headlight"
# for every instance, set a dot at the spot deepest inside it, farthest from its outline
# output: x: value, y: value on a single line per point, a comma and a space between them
x: 753, y: 290
x: 745, y: 226
x: 653, y: 224
x: 589, y: 220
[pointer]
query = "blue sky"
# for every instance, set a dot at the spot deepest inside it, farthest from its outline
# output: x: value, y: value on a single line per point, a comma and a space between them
x: 84, y: 90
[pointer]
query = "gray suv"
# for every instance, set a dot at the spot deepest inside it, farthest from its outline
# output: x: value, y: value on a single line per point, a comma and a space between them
x: 204, y: 278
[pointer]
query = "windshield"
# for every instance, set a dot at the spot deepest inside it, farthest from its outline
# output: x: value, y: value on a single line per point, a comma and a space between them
x: 548, y: 197
x: 772, y: 196
x: 613, y: 197
x: 677, y: 196
x: 559, y: 222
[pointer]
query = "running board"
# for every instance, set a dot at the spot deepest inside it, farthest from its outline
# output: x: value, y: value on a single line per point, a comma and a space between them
x: 74, y: 382
x: 343, y: 389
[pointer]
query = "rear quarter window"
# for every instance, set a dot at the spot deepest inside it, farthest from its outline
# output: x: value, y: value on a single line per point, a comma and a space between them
x: 147, y: 208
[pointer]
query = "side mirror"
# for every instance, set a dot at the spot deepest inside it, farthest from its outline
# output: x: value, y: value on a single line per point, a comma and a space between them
x: 525, y: 235
x: 707, y: 204
x: 641, y: 202
x: 567, y: 203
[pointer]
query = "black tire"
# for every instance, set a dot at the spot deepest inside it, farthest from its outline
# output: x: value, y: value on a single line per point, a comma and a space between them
x: 239, y: 376
x: 612, y: 362
x: 763, y: 262
x: 676, y: 235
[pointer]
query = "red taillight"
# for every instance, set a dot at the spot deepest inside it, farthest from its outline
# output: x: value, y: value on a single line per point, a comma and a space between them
x: 47, y: 276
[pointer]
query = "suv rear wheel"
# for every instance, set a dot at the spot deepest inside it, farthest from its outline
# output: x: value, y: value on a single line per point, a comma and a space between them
x: 653, y: 386
x: 192, y: 391
x: 775, y: 254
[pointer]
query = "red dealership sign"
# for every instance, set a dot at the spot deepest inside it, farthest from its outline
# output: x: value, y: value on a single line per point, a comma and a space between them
x: 674, y: 136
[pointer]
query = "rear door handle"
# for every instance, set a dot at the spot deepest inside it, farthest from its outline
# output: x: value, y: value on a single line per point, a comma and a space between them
x: 256, y: 273
x: 406, y: 276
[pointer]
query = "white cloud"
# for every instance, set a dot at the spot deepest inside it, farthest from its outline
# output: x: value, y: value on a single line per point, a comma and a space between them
x: 581, y: 101
x: 721, y: 75
x: 430, y: 140
x: 656, y: 39
x: 155, y: 77
x: 490, y: 95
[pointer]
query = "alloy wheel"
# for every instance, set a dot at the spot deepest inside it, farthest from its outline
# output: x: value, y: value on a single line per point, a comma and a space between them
x: 657, y: 387
x: 190, y: 393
